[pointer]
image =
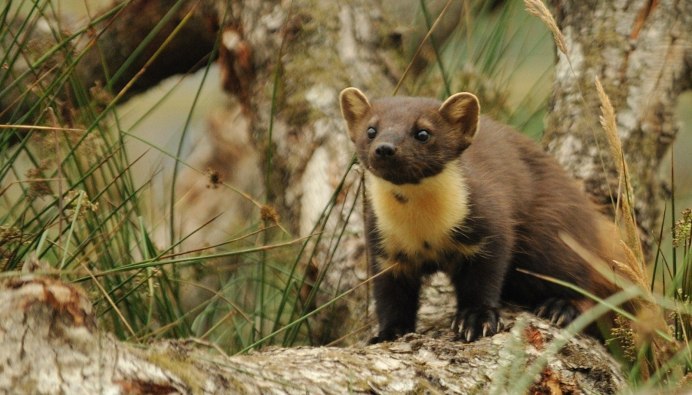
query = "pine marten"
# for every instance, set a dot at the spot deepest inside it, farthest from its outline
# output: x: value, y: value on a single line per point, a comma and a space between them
x: 449, y: 190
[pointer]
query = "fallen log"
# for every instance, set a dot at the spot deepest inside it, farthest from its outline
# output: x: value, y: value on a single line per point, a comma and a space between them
x: 50, y: 344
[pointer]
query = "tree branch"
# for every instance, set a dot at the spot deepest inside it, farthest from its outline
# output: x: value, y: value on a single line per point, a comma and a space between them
x: 49, y: 344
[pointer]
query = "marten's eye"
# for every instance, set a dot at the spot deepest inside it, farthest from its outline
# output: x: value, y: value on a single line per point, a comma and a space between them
x: 372, y: 132
x: 422, y: 135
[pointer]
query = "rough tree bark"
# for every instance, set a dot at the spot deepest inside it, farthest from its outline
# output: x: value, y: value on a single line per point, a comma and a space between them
x: 315, y: 48
x: 49, y: 344
x: 641, y: 50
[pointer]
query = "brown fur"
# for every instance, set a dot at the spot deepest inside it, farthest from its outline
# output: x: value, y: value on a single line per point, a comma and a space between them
x: 475, y: 199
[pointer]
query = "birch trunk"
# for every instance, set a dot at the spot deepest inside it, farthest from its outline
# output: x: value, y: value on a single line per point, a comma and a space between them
x: 641, y: 50
x: 300, y: 57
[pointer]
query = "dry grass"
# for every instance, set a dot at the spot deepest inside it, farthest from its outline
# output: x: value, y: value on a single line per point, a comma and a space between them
x: 539, y: 10
x: 649, y: 330
x: 625, y: 215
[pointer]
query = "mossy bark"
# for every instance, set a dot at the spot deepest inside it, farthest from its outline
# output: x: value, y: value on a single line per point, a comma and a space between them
x: 640, y: 50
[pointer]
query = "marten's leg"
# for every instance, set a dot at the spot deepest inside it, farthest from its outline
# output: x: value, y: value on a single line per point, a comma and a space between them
x: 478, y: 280
x: 396, y: 304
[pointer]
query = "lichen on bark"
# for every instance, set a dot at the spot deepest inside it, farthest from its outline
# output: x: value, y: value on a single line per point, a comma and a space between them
x: 638, y: 50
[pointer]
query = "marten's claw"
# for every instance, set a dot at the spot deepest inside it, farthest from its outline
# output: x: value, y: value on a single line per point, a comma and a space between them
x: 473, y: 323
x: 559, y: 312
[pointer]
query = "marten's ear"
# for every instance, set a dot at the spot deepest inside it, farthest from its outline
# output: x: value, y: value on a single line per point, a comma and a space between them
x: 462, y: 109
x: 354, y: 107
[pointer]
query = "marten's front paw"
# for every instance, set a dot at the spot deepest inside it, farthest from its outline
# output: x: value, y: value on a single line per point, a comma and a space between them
x: 472, y: 323
x: 559, y: 312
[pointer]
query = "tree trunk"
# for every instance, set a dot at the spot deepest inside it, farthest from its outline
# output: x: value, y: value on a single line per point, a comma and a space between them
x: 49, y: 344
x: 301, y: 58
x: 641, y: 50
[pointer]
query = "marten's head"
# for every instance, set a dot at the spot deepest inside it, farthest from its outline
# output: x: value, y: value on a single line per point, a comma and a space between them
x: 406, y: 139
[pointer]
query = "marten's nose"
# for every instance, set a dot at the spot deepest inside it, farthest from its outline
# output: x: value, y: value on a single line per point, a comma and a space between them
x: 384, y: 150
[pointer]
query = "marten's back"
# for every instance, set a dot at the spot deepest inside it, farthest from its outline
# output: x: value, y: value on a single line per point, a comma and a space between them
x: 508, y: 174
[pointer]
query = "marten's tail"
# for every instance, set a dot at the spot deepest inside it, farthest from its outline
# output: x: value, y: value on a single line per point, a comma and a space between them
x: 615, y: 267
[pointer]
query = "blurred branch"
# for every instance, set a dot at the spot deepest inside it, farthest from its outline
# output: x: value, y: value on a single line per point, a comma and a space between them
x: 43, y: 55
